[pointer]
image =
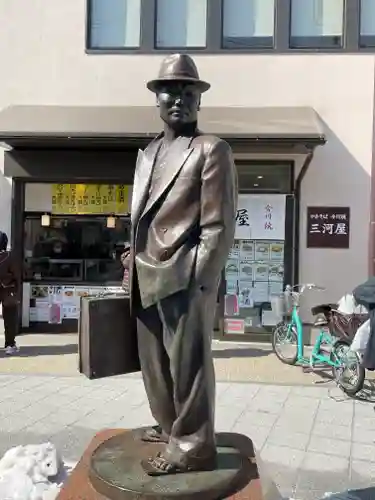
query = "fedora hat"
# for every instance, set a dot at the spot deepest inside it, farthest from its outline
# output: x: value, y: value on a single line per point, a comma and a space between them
x: 180, y: 68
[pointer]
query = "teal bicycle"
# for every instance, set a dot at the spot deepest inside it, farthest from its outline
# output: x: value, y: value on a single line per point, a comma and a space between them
x: 332, y: 346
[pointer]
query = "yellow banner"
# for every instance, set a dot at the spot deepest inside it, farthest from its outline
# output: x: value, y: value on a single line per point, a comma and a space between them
x: 90, y: 199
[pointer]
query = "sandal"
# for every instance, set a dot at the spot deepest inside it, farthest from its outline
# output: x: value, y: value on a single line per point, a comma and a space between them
x: 160, y: 466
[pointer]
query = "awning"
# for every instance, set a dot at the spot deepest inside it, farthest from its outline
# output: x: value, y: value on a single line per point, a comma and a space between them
x: 66, y: 126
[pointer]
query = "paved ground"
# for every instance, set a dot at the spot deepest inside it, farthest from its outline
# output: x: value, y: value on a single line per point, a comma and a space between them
x: 313, y: 440
x: 311, y: 437
x: 57, y: 354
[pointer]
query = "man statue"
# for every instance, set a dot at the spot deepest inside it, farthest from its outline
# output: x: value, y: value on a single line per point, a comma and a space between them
x: 183, y: 220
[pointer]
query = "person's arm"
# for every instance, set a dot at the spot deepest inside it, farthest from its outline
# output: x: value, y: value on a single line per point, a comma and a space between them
x: 14, y: 271
x: 218, y: 212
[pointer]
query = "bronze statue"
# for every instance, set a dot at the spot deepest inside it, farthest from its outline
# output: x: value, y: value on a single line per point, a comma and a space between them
x: 183, y: 220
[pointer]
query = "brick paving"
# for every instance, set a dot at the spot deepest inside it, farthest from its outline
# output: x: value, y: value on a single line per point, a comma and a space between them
x: 312, y: 440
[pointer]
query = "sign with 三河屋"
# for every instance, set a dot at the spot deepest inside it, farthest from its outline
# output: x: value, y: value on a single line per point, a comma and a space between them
x: 328, y: 227
x: 260, y: 217
x: 90, y: 198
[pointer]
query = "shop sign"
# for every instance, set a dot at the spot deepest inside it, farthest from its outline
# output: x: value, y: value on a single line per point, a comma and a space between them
x: 260, y: 217
x: 90, y: 199
x: 328, y: 227
x: 234, y: 326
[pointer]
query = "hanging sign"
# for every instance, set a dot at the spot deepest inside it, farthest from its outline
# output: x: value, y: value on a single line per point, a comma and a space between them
x: 260, y: 217
x: 328, y: 227
x: 83, y: 199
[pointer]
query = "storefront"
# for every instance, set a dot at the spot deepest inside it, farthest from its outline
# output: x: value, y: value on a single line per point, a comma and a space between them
x: 71, y: 207
x: 261, y: 260
x: 74, y: 235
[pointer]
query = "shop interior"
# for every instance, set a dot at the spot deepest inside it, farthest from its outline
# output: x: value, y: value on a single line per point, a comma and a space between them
x: 73, y: 239
x: 74, y: 249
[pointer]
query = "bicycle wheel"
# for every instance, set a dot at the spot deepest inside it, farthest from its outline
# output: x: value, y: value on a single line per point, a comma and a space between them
x: 350, y: 376
x: 286, y: 338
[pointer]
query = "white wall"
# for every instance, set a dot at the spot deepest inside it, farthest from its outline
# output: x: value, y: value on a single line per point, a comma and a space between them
x: 46, y: 63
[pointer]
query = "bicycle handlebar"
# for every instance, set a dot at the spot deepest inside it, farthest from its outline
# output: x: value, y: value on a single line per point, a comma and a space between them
x: 305, y: 286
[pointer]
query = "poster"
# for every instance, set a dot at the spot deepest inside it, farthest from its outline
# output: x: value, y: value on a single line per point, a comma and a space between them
x: 234, y: 252
x: 246, y: 294
x: 40, y: 312
x: 231, y: 285
x: 232, y: 268
x: 262, y: 250
x: 276, y: 273
x: 231, y: 306
x: 246, y: 271
x: 90, y: 198
x: 261, y: 272
x: 260, y: 217
x: 53, y: 304
x: 55, y: 314
x: 234, y: 326
x: 277, y: 251
x: 261, y: 292
x: 247, y: 250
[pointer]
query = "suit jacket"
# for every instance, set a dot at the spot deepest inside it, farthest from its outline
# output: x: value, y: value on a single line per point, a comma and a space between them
x: 183, y: 229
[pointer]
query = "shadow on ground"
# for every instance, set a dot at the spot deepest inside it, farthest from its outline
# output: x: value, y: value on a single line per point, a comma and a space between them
x: 251, y: 352
x: 367, y: 394
x: 44, y: 350
x: 364, y: 494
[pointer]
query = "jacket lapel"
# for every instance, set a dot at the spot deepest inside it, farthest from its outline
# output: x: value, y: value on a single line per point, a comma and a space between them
x: 171, y: 163
x: 142, y: 178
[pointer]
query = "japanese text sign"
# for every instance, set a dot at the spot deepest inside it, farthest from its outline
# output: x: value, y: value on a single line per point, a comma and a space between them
x: 260, y: 217
x: 328, y: 227
x: 90, y: 199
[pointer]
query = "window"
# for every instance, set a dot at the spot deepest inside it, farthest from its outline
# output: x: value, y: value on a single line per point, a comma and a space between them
x: 75, y: 249
x: 181, y: 23
x: 367, y: 23
x: 317, y: 23
x: 275, y: 178
x: 114, y: 24
x: 248, y: 23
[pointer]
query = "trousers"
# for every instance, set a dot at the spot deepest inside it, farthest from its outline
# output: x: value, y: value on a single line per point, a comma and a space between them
x: 174, y: 342
x: 10, y: 317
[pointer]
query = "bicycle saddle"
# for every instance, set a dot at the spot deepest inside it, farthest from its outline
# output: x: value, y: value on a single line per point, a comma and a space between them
x: 322, y: 309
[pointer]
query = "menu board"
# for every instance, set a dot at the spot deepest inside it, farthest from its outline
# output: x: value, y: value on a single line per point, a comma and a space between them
x: 53, y: 304
x: 90, y: 198
x: 255, y: 271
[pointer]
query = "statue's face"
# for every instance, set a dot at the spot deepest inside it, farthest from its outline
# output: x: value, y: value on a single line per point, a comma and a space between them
x: 179, y: 103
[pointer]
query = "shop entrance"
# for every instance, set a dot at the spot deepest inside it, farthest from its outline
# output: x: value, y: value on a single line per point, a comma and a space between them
x: 73, y: 239
x: 260, y: 263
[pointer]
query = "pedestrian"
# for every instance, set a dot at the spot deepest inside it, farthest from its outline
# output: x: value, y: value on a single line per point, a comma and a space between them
x: 8, y: 295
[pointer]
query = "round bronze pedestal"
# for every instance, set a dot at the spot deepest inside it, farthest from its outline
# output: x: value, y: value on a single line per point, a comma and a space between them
x: 116, y: 472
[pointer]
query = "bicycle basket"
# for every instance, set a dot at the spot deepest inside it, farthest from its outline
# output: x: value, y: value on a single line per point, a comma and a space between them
x: 345, y: 326
x: 282, y: 304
